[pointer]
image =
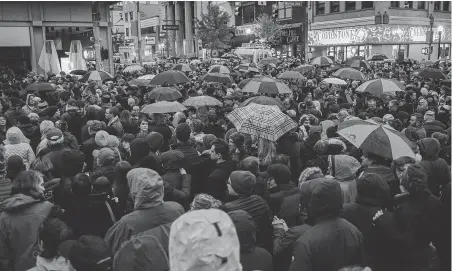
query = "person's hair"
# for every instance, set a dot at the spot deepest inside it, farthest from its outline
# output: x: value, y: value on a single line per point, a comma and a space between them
x: 102, y: 185
x: 81, y: 185
x: 442, y: 138
x: 125, y: 117
x: 159, y: 119
x: 394, y: 102
x: 114, y: 111
x: 266, y: 151
x: 401, y: 161
x: 250, y: 164
x: 376, y: 159
x: 23, y: 119
x: 281, y: 159
x: 419, y: 117
x: 221, y: 147
x: 64, y: 96
x: 27, y: 183
x: 52, y: 233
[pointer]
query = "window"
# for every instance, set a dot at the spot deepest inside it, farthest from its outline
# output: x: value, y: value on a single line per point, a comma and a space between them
x: 408, y: 4
x: 350, y: 5
x: 248, y: 14
x: 421, y: 5
x: 437, y: 5
x: 284, y: 10
x: 395, y: 4
x: 446, y: 6
x: 334, y: 6
x: 149, y: 30
x: 367, y: 4
x: 127, y: 31
x: 126, y: 16
x: 131, y: 15
x: 319, y: 8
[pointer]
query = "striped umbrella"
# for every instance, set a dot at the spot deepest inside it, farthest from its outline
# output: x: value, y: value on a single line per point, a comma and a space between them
x: 165, y: 94
x: 380, y: 139
x: 379, y: 86
x: 200, y: 101
x: 291, y: 75
x: 97, y: 76
x: 305, y: 68
x: 133, y: 68
x: 358, y: 64
x: 322, y: 61
x: 247, y: 67
x: 266, y: 85
x: 263, y: 100
x: 217, y: 78
x: 334, y: 81
x: 163, y: 107
x: 219, y: 69
x: 261, y: 121
x: 147, y: 77
x: 181, y: 67
x: 349, y: 73
x: 170, y: 77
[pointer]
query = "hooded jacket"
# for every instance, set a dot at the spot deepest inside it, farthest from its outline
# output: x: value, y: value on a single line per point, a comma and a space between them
x: 251, y: 257
x: 146, y: 189
x: 343, y: 169
x: 217, y: 180
x: 333, y: 242
x: 21, y: 214
x: 436, y: 169
x: 386, y: 174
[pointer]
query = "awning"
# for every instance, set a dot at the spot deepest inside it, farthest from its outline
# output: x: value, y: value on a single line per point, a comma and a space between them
x: 16, y: 36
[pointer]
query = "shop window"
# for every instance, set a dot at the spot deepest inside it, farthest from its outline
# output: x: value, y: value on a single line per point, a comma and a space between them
x: 446, y: 6
x: 334, y: 6
x: 131, y: 15
x: 408, y: 4
x: 126, y: 16
x: 421, y: 5
x: 350, y: 5
x: 319, y: 8
x: 395, y: 4
x: 127, y: 31
x: 148, y: 30
x: 367, y: 4
x: 248, y: 14
x: 284, y: 10
x: 437, y: 5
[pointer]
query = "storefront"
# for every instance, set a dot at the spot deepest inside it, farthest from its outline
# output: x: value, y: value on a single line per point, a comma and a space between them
x: 395, y: 41
x: 292, y: 44
x: 16, y: 49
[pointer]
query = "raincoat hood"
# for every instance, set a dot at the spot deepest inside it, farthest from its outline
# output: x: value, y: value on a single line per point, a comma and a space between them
x: 15, y: 136
x: 17, y: 202
x: 429, y: 148
x: 246, y: 230
x: 343, y: 167
x: 322, y: 197
x: 146, y: 188
x: 372, y: 190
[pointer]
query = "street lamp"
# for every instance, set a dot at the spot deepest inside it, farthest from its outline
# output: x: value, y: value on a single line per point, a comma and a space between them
x: 440, y: 31
x: 432, y: 21
x: 248, y: 32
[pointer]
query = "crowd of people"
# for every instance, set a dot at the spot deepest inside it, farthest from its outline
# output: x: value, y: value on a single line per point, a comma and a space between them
x: 89, y: 182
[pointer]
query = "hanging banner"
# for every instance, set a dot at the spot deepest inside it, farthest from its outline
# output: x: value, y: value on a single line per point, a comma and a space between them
x: 375, y: 34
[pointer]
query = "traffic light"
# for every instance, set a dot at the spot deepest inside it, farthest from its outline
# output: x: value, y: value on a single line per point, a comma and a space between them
x: 237, y: 8
x: 424, y: 51
x: 275, y: 11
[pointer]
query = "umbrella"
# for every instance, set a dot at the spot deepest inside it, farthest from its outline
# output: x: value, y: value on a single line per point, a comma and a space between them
x: 231, y: 55
x: 358, y: 64
x: 305, y: 68
x: 263, y: 100
x: 243, y: 83
x: 200, y: 101
x: 163, y: 107
x: 97, y: 76
x: 266, y: 85
x: 165, y: 94
x: 349, y: 73
x: 217, y: 78
x: 335, y: 68
x: 334, y: 81
x: 219, y: 69
x: 379, y: 86
x: 353, y: 58
x: 147, y: 77
x: 380, y: 139
x: 170, y: 77
x: 445, y: 82
x: 261, y: 121
x: 139, y: 82
x: 44, y: 87
x: 291, y: 75
x: 182, y: 67
x: 268, y: 60
x: 428, y: 63
x: 378, y: 57
x: 247, y: 67
x: 322, y: 61
x: 78, y: 72
x: 133, y: 68
x: 432, y: 73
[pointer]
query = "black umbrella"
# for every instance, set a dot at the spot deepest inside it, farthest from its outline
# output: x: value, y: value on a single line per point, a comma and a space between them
x: 78, y: 72
x: 432, y: 73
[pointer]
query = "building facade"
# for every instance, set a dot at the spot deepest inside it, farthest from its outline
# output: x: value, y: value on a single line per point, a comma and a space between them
x: 25, y: 26
x: 397, y: 29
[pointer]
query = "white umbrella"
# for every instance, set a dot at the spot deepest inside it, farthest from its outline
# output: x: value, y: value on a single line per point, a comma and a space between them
x: 334, y: 81
x: 147, y: 77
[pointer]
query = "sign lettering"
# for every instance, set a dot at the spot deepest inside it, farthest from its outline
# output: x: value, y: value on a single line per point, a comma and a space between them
x: 170, y: 27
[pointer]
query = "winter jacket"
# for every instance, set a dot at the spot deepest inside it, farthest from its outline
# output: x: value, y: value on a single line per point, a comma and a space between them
x: 20, y: 222
x: 344, y: 168
x: 31, y: 132
x: 74, y: 123
x: 177, y: 187
x: 55, y: 155
x: 105, y: 171
x: 116, y: 123
x: 70, y: 141
x: 332, y: 242
x: 23, y: 150
x: 55, y: 264
x: 216, y: 184
x: 436, y: 169
x: 388, y: 175
x: 434, y: 126
x: 87, y: 148
x: 283, y: 245
x: 284, y: 203
x: 5, y: 188
x: 166, y: 132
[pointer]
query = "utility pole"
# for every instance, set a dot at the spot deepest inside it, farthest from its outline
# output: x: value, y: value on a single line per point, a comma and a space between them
x: 432, y: 21
x: 95, y: 6
x: 140, y: 61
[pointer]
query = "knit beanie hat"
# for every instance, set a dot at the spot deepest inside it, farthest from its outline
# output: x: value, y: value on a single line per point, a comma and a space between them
x: 183, y: 132
x: 242, y: 182
x: 105, y: 156
x: 205, y: 201
x: 54, y: 136
x: 112, y: 141
x: 101, y: 138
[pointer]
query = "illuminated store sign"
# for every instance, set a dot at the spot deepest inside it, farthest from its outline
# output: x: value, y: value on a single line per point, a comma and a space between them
x: 375, y: 34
